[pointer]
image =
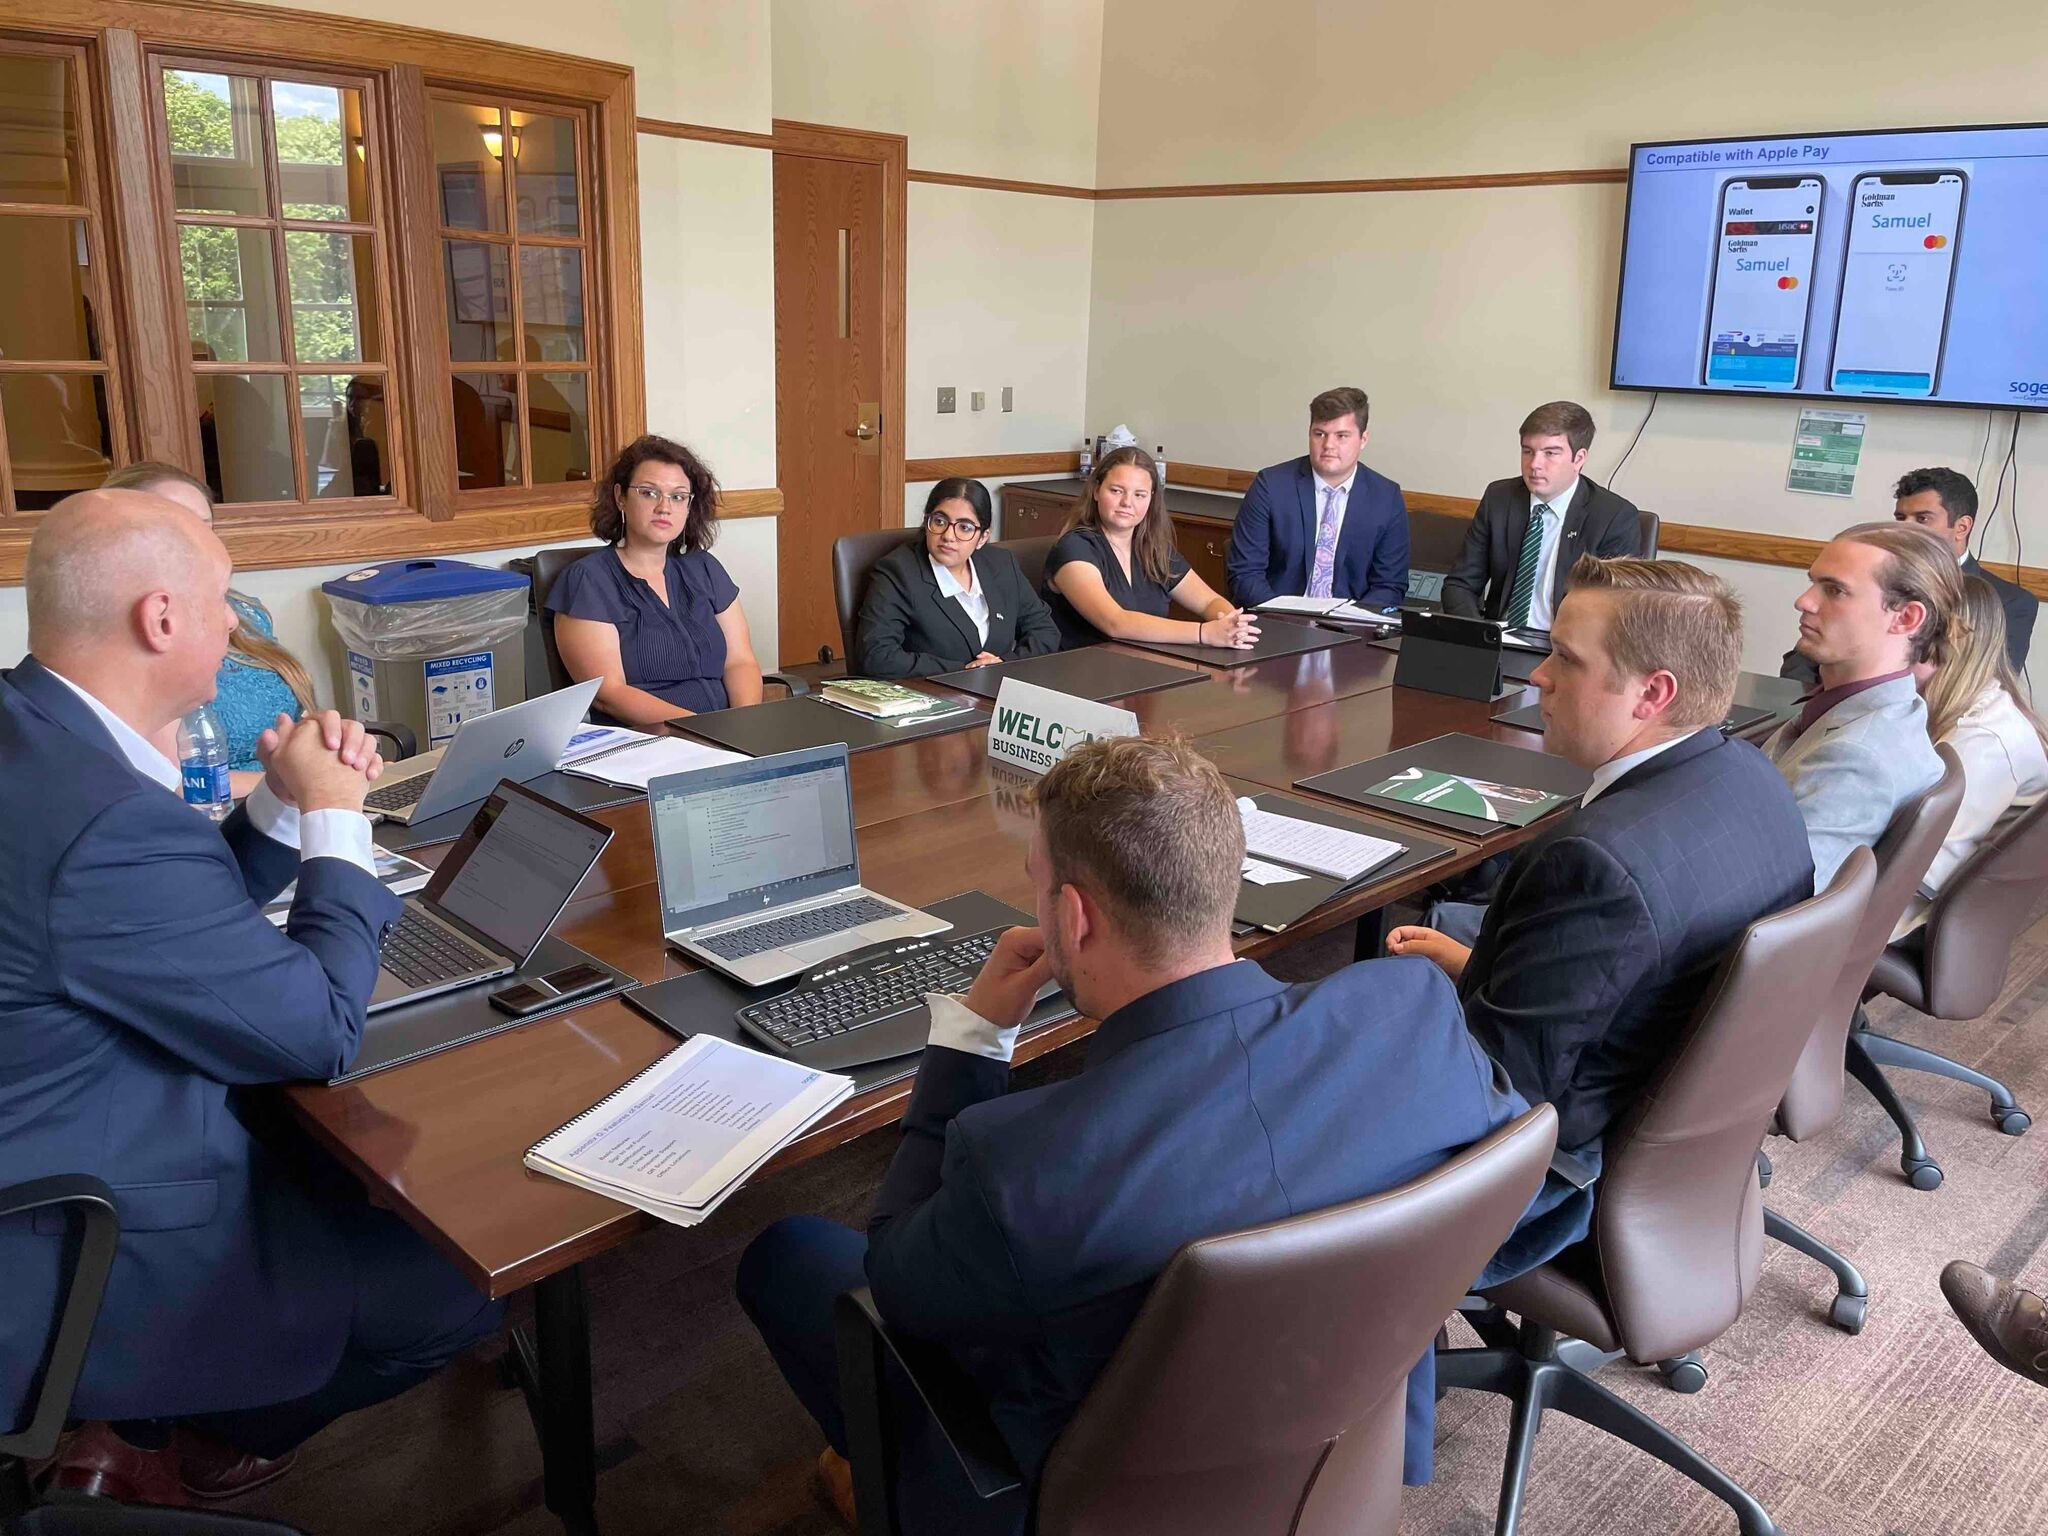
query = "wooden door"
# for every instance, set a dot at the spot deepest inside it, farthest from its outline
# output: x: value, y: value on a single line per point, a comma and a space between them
x: 832, y: 430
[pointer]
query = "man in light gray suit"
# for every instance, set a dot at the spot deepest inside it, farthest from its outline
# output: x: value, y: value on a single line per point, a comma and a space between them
x: 1882, y: 597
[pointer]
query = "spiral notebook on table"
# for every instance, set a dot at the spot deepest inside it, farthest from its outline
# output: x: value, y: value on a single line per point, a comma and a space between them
x: 680, y: 1137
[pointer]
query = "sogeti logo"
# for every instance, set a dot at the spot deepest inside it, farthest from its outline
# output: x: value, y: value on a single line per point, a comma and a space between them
x: 2033, y: 389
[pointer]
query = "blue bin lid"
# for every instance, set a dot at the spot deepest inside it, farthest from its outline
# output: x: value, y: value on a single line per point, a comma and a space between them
x: 418, y: 581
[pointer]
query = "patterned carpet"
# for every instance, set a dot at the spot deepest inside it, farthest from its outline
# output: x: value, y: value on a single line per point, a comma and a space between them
x: 1905, y: 1430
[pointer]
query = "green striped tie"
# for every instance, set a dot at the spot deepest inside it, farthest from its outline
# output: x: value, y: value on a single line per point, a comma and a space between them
x: 1525, y: 573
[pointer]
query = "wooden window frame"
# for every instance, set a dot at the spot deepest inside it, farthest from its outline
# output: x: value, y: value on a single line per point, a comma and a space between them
x: 146, y: 345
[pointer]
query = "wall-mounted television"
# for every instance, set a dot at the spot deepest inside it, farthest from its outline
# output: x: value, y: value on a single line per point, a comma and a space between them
x: 1900, y: 265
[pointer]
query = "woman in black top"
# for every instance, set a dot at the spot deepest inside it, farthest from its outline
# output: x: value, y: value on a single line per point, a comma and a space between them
x: 950, y: 600
x: 1115, y: 574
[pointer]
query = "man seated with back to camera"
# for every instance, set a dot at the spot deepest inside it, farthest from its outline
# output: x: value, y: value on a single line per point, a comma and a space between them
x: 1022, y: 1231
x: 1605, y: 930
x: 253, y: 1297
x: 1944, y: 502
x: 1882, y: 599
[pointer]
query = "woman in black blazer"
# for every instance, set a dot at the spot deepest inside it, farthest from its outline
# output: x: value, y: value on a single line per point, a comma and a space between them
x: 951, y: 601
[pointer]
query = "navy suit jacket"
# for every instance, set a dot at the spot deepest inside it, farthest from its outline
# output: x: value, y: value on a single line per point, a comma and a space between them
x: 1603, y: 933
x: 1022, y: 1231
x: 139, y: 982
x: 1273, y: 542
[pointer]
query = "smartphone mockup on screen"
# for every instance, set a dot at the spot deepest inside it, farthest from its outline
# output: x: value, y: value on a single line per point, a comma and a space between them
x: 1897, y: 277
x: 1764, y: 239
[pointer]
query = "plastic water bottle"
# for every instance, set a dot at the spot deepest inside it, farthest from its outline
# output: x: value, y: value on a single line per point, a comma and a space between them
x: 1159, y: 458
x: 203, y: 761
x: 1087, y: 457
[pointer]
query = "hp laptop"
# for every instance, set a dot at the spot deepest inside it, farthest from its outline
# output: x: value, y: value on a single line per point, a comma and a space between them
x: 758, y: 871
x: 519, y: 742
x: 492, y: 900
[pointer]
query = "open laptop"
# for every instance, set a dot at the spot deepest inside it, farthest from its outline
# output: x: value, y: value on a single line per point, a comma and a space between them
x: 758, y: 870
x: 493, y: 899
x: 519, y: 742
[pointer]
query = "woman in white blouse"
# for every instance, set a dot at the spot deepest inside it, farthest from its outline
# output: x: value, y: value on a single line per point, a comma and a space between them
x: 1977, y: 704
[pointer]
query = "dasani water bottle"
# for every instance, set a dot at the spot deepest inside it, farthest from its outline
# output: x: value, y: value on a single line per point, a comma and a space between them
x: 203, y: 762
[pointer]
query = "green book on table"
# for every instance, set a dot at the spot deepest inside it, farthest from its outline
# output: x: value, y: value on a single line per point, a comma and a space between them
x: 872, y: 696
x: 1481, y: 799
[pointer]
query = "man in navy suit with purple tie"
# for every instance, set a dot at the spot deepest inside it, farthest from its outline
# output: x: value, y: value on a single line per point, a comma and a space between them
x: 1323, y: 525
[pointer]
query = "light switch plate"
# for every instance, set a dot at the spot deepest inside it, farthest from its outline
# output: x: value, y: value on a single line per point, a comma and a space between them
x: 945, y: 399
x: 978, y: 401
x: 1009, y: 398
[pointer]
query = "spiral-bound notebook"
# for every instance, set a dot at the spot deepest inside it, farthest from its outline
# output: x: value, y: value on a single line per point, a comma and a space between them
x: 681, y: 1136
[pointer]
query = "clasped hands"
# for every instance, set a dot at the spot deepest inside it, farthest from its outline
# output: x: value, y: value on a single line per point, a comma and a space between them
x: 1237, y: 630
x: 319, y: 763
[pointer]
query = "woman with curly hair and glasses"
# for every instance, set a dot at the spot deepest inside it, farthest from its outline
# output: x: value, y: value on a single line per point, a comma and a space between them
x: 654, y: 614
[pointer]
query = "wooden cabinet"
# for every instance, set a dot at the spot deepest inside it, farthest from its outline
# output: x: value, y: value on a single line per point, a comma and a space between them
x: 1031, y: 512
x: 1204, y: 543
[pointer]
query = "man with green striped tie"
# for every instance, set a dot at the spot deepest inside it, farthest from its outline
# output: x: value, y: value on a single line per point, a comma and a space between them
x: 1528, y: 531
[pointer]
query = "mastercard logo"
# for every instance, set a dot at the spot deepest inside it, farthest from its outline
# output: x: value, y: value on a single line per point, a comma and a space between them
x: 1935, y: 242
x: 1788, y: 282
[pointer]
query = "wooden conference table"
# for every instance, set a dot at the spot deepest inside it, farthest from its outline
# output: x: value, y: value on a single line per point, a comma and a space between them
x: 440, y: 1140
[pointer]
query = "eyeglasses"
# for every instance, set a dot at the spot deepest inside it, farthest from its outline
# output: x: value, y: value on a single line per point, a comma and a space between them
x: 938, y: 522
x: 651, y: 496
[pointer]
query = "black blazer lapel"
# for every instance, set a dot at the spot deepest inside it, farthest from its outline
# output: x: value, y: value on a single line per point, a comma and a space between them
x: 1571, y: 541
x: 1517, y: 529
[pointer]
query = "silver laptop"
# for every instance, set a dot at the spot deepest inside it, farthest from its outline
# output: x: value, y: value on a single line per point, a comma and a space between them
x: 493, y: 899
x: 758, y: 869
x: 519, y: 742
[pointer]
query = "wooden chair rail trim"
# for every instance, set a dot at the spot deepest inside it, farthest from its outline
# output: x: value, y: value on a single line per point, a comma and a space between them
x: 987, y: 465
x: 1004, y: 184
x: 309, y: 539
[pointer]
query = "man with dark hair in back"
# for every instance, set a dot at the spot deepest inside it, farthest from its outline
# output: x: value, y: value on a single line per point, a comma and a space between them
x: 1323, y: 525
x: 1020, y: 1232
x: 1945, y: 503
x: 1529, y: 531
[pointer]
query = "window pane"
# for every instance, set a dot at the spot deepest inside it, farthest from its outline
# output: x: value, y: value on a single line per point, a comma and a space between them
x: 58, y: 436
x: 243, y: 436
x: 558, y: 423
x: 216, y: 142
x: 45, y: 314
x: 230, y: 293
x: 348, y: 437
x: 486, y: 430
x: 39, y: 150
x: 467, y: 173
x: 551, y: 293
x: 479, y: 279
x: 334, y: 297
x: 320, y: 168
x: 546, y: 167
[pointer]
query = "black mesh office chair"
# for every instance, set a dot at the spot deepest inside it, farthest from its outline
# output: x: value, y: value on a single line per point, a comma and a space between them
x: 90, y: 1257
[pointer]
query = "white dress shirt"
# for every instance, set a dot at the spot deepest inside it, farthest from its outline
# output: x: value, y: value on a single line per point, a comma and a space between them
x: 959, y: 1028
x: 334, y: 834
x: 1605, y: 775
x: 1540, y: 613
x: 973, y: 599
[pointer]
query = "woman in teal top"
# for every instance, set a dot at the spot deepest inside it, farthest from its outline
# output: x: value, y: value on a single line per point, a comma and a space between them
x: 258, y: 679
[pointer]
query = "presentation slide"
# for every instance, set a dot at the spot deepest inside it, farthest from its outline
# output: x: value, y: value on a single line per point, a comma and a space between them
x: 1856, y: 266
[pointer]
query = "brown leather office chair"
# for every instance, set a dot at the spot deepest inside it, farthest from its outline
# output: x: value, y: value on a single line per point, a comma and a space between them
x: 1813, y: 1098
x: 1678, y: 1227
x: 853, y: 558
x: 1261, y: 1388
x: 1030, y: 556
x: 1955, y: 966
x: 1647, y: 524
x: 543, y: 568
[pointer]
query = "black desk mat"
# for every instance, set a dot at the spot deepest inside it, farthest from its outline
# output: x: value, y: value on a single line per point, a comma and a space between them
x: 789, y: 725
x: 703, y: 1002
x: 1093, y: 672
x: 1276, y: 908
x: 1277, y: 637
x: 577, y: 793
x: 412, y: 1030
x: 1471, y: 756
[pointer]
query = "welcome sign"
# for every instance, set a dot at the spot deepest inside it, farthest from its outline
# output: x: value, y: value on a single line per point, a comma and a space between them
x: 1035, y: 727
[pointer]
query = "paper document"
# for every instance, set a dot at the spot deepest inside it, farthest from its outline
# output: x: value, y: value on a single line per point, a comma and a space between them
x: 1261, y: 873
x: 1334, y: 851
x: 1351, y: 613
x: 595, y: 740
x: 1311, y: 605
x: 1520, y: 642
x: 401, y: 877
x: 684, y: 1134
x: 632, y: 767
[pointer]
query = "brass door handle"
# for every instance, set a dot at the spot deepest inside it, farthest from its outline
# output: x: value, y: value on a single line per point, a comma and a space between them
x: 863, y: 431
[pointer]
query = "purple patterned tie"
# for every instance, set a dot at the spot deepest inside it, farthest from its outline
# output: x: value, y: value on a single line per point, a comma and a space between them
x: 1326, y: 546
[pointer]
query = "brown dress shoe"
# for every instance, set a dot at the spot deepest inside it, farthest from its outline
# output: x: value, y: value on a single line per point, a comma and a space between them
x: 2010, y: 1323
x: 98, y: 1462
x: 835, y: 1477
x: 213, y: 1471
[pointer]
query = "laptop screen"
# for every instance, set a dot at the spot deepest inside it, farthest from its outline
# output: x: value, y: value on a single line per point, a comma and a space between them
x: 742, y: 837
x: 518, y: 863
